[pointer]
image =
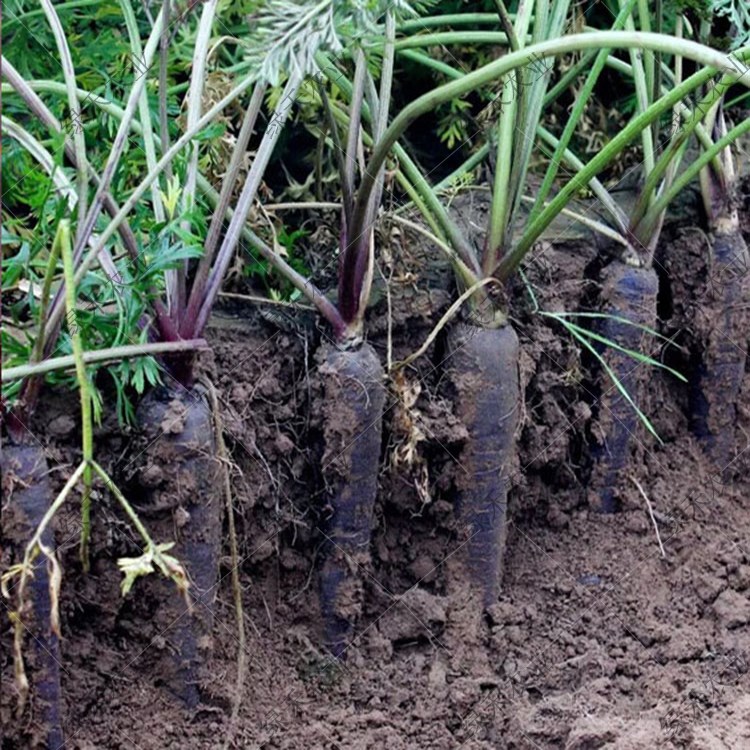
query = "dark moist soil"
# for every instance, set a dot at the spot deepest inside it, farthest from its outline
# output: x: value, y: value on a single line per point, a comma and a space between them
x: 598, y: 640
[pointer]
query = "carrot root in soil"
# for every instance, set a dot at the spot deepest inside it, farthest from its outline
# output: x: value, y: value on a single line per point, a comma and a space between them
x: 627, y: 292
x: 354, y: 400
x: 719, y: 378
x: 25, y: 471
x: 179, y: 474
x: 483, y: 371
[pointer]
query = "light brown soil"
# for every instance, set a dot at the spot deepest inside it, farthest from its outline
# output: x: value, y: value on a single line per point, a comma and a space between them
x: 598, y: 640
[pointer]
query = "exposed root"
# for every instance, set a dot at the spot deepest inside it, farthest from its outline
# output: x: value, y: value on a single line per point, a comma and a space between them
x: 407, y: 435
x: 651, y: 513
x: 24, y: 571
x: 449, y: 315
x: 223, y: 455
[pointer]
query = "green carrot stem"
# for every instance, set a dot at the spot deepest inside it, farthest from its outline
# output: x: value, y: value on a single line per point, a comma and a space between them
x: 498, y: 68
x: 111, y: 354
x: 691, y: 171
x: 62, y: 240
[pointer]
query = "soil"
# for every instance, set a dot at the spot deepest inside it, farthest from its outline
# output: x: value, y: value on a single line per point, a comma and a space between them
x: 600, y: 638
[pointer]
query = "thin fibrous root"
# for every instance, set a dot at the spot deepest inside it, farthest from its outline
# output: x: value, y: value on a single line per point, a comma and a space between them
x: 223, y: 454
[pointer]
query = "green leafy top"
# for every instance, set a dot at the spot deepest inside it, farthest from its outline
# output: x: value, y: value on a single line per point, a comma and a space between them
x: 286, y: 35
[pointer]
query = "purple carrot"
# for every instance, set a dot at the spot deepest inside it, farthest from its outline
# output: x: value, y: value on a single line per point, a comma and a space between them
x: 180, y: 478
x: 27, y: 496
x: 627, y: 292
x: 482, y: 364
x: 354, y: 399
x: 717, y: 390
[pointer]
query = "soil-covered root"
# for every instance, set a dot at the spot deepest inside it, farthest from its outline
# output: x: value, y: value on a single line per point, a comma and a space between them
x: 354, y: 396
x: 181, y: 501
x: 482, y: 366
x: 27, y: 496
x: 627, y: 292
x: 722, y: 367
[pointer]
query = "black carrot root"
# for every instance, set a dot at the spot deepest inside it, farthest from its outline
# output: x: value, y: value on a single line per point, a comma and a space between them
x: 722, y: 367
x: 483, y: 370
x: 353, y: 417
x: 26, y: 498
x: 627, y: 292
x: 181, y: 501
